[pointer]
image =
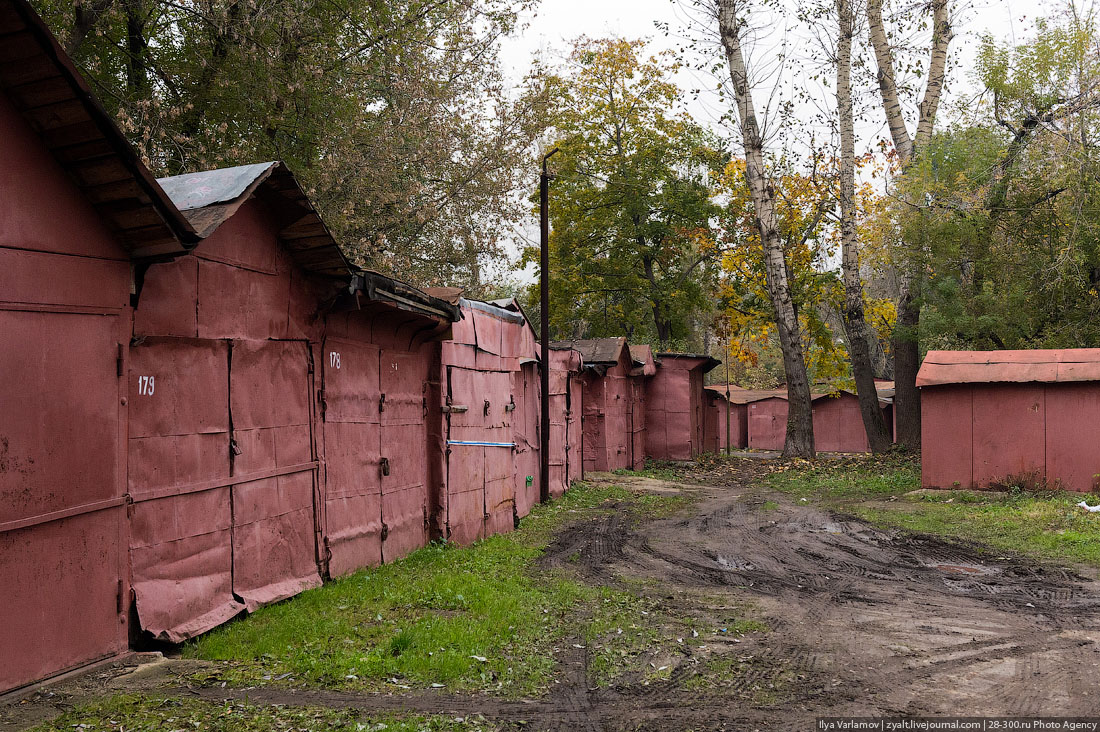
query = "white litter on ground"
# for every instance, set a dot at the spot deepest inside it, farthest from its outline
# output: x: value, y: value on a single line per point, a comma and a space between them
x: 1090, y: 509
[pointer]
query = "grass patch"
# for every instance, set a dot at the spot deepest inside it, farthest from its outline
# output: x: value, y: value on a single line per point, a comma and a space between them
x: 1047, y: 525
x: 473, y: 618
x: 1043, y: 524
x: 857, y: 478
x: 152, y: 714
x: 656, y: 469
x: 634, y: 633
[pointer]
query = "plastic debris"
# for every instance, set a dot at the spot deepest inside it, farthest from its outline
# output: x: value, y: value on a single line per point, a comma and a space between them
x: 1090, y: 509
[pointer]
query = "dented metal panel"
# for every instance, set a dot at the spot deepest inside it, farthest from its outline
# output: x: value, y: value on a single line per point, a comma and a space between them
x: 179, y: 472
x: 352, y: 429
x: 181, y: 556
x: 404, y: 474
x: 274, y: 547
x: 525, y: 429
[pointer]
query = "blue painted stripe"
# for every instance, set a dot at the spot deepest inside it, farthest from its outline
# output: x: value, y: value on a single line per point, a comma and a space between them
x: 481, y: 444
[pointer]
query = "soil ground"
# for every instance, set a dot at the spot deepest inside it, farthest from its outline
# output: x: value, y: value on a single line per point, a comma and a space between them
x: 861, y: 621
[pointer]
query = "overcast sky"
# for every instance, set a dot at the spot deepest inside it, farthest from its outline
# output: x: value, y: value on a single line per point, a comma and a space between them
x: 554, y: 23
x: 550, y: 28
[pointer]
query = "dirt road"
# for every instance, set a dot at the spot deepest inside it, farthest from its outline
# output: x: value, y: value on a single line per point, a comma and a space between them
x: 862, y: 622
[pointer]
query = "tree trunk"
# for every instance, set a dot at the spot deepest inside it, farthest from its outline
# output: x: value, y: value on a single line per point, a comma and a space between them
x: 855, y: 324
x: 906, y: 364
x: 800, y: 428
x: 904, y: 341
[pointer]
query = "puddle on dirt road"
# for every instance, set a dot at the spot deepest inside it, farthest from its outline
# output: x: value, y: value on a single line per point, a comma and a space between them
x: 965, y: 569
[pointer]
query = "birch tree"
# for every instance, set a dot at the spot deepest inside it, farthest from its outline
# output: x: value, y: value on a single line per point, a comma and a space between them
x: 800, y: 432
x: 908, y: 147
x: 855, y: 324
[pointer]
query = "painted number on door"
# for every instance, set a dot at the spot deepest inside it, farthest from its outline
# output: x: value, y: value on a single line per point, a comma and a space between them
x: 334, y: 359
x: 146, y: 385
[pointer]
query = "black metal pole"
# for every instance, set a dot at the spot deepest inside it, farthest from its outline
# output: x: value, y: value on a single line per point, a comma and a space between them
x: 544, y: 332
x: 727, y: 360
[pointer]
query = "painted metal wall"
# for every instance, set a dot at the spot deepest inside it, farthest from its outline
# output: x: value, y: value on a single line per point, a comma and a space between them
x: 675, y: 410
x: 767, y: 424
x: 565, y: 423
x: 608, y: 400
x: 988, y: 435
x: 377, y: 404
x: 525, y: 431
x: 838, y: 425
x: 715, y: 424
x: 222, y: 458
x: 489, y: 425
x: 65, y: 319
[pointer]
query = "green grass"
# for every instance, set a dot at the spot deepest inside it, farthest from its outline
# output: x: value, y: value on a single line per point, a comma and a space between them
x: 1044, y: 524
x: 474, y: 618
x: 134, y: 713
x: 857, y: 478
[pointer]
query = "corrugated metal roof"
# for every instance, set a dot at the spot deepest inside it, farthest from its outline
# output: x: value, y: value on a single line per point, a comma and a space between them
x: 595, y: 351
x: 50, y: 94
x: 1040, y: 365
x: 209, y: 198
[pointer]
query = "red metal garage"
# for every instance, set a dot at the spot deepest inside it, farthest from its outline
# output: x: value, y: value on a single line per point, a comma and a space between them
x: 718, y: 410
x: 381, y: 411
x: 838, y: 425
x: 674, y: 406
x: 224, y: 468
x: 994, y: 418
x: 565, y: 423
x: 608, y: 394
x: 77, y: 207
x: 479, y: 470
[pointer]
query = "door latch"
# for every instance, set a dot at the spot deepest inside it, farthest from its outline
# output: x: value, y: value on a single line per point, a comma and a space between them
x: 382, y: 403
x: 385, y: 466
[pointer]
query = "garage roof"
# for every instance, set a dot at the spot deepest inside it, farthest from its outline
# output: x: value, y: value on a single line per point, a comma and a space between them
x: 50, y: 94
x: 1042, y: 365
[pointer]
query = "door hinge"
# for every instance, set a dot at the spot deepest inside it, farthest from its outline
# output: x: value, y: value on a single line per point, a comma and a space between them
x: 118, y: 602
x: 118, y: 362
x: 382, y: 403
x: 384, y: 466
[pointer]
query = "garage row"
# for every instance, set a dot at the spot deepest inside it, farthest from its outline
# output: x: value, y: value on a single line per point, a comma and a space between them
x: 207, y: 409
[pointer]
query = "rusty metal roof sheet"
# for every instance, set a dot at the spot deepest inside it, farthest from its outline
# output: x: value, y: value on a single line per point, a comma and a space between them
x: 1040, y: 365
x: 395, y: 293
x: 748, y: 396
x: 645, y: 363
x: 596, y: 351
x: 46, y: 89
x: 707, y: 362
x: 211, y: 197
x: 450, y: 294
